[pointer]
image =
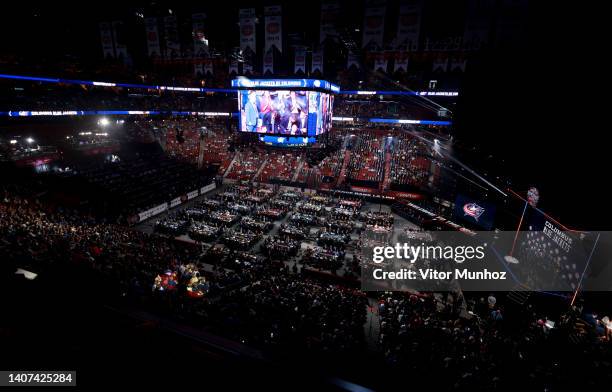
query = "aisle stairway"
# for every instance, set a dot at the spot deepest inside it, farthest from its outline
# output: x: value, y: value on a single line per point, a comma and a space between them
x: 387, y: 173
x: 298, y: 170
x: 345, y: 162
x: 201, y: 153
x: 229, y: 167
x: 519, y: 295
x: 261, y: 167
x: 372, y: 326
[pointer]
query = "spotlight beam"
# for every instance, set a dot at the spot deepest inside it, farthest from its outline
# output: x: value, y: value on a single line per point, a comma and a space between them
x: 458, y: 162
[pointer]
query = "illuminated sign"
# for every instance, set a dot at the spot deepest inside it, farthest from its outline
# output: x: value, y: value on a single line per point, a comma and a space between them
x: 104, y: 84
x: 54, y: 113
x: 238, y: 83
x: 285, y: 83
x: 288, y: 141
x: 285, y: 112
x: 473, y: 210
x: 318, y: 129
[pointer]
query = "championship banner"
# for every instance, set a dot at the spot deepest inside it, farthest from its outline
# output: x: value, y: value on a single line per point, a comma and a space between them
x: 173, y: 46
x: 479, y: 17
x: 200, y: 43
x: 273, y: 28
x: 208, y: 67
x: 300, y: 60
x: 401, y: 62
x: 440, y: 64
x: 317, y: 61
x: 268, y: 63
x: 106, y: 38
x: 380, y: 62
x: 118, y: 37
x: 352, y: 60
x: 374, y: 26
x: 233, y: 67
x: 409, y: 25
x: 198, y: 69
x: 458, y: 64
x: 247, y: 68
x: 153, y: 48
x: 247, y: 29
x: 329, y: 17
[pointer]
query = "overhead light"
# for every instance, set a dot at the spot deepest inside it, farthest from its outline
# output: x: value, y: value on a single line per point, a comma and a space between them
x: 30, y: 140
x: 13, y: 141
x: 103, y: 121
x: 26, y: 274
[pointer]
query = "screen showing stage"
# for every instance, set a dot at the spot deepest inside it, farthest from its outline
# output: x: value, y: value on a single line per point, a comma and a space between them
x: 285, y: 112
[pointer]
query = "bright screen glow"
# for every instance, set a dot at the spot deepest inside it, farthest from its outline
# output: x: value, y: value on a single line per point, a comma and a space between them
x: 285, y: 112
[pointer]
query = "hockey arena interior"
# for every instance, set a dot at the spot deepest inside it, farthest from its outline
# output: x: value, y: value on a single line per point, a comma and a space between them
x: 188, y: 191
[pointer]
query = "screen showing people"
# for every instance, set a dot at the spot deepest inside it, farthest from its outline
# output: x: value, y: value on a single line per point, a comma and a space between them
x: 320, y: 112
x: 285, y: 112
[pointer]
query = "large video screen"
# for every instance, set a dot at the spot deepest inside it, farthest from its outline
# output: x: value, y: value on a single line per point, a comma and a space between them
x: 320, y: 112
x: 285, y: 112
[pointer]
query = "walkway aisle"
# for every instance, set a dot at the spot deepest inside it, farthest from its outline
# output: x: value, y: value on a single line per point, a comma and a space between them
x: 372, y: 325
x: 387, y: 174
x: 345, y: 163
x: 231, y: 165
x: 298, y: 170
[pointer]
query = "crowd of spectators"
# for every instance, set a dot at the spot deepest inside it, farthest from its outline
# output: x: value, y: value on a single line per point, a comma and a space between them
x: 410, y: 164
x: 216, y: 151
x: 183, y: 143
x: 367, y: 158
x: 266, y: 303
x: 298, y: 312
x: 44, y: 97
x: 330, y: 166
x: 138, y: 182
x: 481, y: 343
x: 280, y: 165
x: 361, y: 106
x: 255, y: 301
x: 247, y: 163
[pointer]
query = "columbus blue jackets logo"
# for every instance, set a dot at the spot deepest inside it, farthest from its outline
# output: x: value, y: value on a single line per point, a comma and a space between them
x: 473, y: 210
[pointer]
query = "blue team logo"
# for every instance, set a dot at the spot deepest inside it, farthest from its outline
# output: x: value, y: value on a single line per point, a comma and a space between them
x: 473, y: 210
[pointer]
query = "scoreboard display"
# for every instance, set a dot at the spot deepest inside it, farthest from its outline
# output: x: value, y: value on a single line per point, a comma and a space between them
x: 295, y: 107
